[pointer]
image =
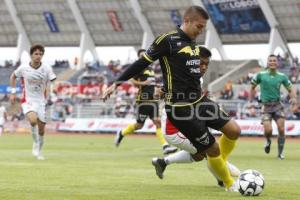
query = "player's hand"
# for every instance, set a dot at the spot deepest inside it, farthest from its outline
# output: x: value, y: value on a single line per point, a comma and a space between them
x: 12, y: 98
x: 108, y: 91
x: 293, y: 101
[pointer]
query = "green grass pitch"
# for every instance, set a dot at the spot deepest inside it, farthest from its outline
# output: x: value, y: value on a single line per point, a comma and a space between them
x: 89, y: 167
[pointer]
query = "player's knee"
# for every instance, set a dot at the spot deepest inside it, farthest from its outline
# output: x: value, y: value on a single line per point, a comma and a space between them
x: 236, y: 131
x: 281, y: 131
x: 157, y: 123
x: 33, y: 122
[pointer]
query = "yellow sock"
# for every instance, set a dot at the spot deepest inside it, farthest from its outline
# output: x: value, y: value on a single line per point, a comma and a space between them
x: 160, y: 136
x: 226, y: 146
x: 220, y: 168
x: 128, y: 130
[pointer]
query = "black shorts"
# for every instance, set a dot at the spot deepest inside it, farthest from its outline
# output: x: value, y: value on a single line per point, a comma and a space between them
x: 146, y: 109
x: 194, y: 120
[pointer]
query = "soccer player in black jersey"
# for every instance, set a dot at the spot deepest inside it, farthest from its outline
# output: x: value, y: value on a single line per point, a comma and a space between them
x: 146, y: 106
x: 186, y: 109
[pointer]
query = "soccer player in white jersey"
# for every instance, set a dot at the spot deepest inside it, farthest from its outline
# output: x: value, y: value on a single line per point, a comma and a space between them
x: 3, y: 118
x: 35, y: 77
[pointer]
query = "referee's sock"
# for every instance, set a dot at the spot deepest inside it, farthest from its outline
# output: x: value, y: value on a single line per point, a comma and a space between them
x: 221, y: 170
x: 226, y: 146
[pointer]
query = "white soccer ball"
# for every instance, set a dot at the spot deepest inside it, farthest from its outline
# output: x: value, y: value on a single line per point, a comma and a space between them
x: 251, y: 183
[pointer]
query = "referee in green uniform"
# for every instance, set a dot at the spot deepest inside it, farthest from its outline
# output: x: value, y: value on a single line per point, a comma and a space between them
x: 270, y: 81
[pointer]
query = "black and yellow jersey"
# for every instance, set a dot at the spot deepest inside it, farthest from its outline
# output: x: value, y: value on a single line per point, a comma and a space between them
x: 146, y: 93
x: 179, y: 58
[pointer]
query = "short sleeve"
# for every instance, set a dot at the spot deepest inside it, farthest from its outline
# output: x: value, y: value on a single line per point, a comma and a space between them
x: 160, y: 47
x: 51, y: 75
x: 286, y: 82
x: 19, y: 71
x: 256, y: 79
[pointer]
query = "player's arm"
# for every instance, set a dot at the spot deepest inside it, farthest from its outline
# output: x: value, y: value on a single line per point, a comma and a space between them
x: 159, y: 47
x: 293, y: 96
x: 13, y: 89
x: 292, y: 93
x: 50, y: 82
x: 254, y: 82
x: 138, y: 83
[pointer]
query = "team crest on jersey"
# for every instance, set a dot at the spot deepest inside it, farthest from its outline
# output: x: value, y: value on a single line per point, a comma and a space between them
x: 190, y: 51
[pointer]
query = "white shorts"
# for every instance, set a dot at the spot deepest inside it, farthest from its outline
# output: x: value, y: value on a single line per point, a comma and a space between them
x: 38, y: 108
x: 174, y: 137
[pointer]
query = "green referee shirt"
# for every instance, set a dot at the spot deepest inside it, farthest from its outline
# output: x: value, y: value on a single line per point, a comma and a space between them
x: 270, y: 83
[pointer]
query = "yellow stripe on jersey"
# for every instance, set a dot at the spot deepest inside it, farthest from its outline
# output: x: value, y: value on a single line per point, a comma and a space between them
x: 148, y: 58
x: 159, y: 39
x: 169, y: 78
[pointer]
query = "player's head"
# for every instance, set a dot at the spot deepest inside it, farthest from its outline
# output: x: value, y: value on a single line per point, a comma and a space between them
x: 36, y: 52
x: 205, y: 55
x: 141, y: 52
x: 194, y: 21
x: 272, y: 62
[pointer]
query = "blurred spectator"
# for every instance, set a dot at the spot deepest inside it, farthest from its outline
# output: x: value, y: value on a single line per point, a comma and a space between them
x: 243, y: 94
x: 227, y: 92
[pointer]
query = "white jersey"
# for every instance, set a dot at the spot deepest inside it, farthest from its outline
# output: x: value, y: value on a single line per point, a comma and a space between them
x: 34, y: 81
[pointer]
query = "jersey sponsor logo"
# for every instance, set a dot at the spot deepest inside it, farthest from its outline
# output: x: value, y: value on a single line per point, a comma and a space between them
x: 190, y: 51
x: 195, y: 70
x: 204, y: 139
x: 173, y: 37
x: 192, y: 62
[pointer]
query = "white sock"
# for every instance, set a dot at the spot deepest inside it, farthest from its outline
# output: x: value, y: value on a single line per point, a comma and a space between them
x: 41, y: 142
x: 34, y: 133
x: 1, y: 130
x: 179, y: 157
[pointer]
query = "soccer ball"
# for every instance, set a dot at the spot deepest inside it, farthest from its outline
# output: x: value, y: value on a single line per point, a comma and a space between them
x: 251, y: 183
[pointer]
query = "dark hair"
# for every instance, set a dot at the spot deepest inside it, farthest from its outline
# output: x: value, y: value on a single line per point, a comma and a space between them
x: 140, y: 51
x: 204, y: 52
x: 272, y: 55
x: 35, y: 47
x: 196, y: 9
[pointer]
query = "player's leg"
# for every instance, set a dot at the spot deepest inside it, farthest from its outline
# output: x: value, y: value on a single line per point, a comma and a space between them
x: 281, y: 137
x: 196, y: 131
x: 140, y: 120
x: 33, y: 119
x: 126, y: 131
x: 219, y: 166
x: 267, y: 124
x: 41, y: 126
x: 184, y: 156
x: 167, y: 149
x: 220, y: 120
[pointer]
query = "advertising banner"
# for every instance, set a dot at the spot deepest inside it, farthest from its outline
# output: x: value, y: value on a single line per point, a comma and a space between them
x: 237, y: 16
x: 248, y: 127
